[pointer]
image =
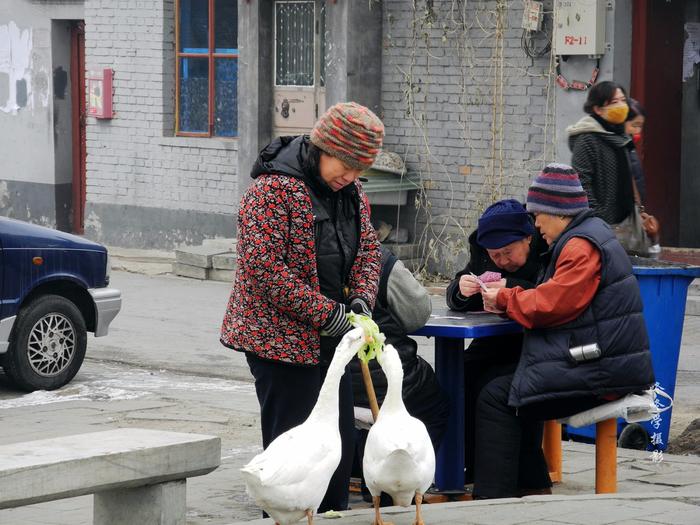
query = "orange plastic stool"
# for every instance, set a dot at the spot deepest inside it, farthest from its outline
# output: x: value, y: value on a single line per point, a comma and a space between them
x: 606, y: 457
x: 605, y: 454
x: 551, y: 443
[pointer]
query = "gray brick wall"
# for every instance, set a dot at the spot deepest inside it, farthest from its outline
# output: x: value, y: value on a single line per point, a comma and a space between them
x: 474, y: 130
x: 185, y: 185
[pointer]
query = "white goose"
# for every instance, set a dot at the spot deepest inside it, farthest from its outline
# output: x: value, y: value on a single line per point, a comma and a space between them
x: 290, y: 477
x: 399, y: 457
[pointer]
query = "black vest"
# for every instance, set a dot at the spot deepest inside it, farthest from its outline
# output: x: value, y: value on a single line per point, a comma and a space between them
x: 613, y: 320
x: 337, y: 237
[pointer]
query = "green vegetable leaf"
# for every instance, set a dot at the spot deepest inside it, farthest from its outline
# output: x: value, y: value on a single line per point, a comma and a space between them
x: 376, y: 339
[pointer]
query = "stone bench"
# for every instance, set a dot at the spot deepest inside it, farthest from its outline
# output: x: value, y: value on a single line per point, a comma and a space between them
x: 138, y: 476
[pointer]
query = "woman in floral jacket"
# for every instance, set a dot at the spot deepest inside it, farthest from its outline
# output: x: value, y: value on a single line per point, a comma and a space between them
x: 307, y: 253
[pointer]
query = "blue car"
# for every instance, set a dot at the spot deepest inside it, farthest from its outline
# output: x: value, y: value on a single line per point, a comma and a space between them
x: 54, y: 288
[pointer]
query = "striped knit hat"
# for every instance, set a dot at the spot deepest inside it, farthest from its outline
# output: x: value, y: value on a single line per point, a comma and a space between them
x: 557, y: 190
x: 351, y: 133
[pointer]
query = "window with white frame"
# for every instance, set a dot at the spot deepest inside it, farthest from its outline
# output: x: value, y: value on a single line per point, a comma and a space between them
x: 296, y: 58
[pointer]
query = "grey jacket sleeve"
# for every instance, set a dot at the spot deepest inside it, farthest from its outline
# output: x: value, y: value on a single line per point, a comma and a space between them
x: 407, y: 298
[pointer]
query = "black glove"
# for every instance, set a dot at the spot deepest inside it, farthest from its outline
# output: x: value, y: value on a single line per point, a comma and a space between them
x: 337, y: 325
x: 359, y: 306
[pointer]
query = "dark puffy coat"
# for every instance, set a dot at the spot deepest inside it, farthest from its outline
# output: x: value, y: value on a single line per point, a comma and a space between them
x: 601, y: 159
x: 613, y: 320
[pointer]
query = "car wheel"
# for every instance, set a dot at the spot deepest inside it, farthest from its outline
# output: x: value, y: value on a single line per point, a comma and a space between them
x: 48, y: 344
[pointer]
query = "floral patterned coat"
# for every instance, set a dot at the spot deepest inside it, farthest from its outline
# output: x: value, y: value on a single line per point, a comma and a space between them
x: 276, y: 310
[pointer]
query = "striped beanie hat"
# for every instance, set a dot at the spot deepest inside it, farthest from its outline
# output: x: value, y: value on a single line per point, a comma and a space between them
x: 557, y: 190
x: 351, y: 133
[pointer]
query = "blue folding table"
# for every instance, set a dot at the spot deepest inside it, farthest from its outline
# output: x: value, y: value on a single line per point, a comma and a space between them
x: 450, y: 329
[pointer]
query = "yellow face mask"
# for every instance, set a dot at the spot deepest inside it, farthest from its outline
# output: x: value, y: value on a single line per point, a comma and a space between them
x: 615, y: 113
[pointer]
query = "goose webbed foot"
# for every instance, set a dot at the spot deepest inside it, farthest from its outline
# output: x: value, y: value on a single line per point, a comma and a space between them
x: 377, y: 515
x: 419, y: 517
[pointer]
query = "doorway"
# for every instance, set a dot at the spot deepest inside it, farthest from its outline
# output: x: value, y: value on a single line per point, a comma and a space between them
x: 657, y: 63
x: 299, y: 89
x: 79, y: 121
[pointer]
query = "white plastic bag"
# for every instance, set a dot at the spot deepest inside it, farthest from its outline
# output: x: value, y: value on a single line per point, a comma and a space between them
x: 632, y: 408
x: 363, y: 418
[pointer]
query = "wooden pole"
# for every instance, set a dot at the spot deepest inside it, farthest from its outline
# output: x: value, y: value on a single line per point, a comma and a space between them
x: 369, y: 387
x: 551, y: 443
x: 606, y: 456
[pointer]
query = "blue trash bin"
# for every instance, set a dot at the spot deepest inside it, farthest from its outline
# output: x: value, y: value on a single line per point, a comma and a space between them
x: 664, y: 289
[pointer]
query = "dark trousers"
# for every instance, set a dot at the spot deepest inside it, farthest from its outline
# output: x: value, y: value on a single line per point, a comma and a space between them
x: 508, y: 444
x: 486, y: 359
x: 287, y: 394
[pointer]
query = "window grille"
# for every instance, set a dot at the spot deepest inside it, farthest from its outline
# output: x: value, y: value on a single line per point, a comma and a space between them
x: 294, y: 45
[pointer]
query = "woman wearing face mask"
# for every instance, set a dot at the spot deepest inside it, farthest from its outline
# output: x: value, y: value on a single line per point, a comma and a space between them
x: 634, y: 126
x: 601, y: 155
x: 600, y: 152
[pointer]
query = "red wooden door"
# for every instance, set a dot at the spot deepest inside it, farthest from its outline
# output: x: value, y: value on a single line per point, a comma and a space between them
x: 657, y: 53
x: 77, y: 71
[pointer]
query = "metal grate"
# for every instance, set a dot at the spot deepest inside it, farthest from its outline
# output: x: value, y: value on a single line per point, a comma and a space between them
x: 294, y: 43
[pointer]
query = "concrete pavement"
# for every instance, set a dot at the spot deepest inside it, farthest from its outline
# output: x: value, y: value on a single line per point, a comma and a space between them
x: 628, y: 509
x: 651, y: 490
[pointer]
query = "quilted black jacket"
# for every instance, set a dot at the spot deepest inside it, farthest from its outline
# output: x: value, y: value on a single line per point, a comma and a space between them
x: 601, y: 159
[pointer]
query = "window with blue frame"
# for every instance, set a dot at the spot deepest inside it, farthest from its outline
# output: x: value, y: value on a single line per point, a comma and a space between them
x: 207, y: 68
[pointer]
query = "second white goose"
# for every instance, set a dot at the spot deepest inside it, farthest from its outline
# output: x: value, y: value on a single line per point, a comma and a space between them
x: 399, y: 457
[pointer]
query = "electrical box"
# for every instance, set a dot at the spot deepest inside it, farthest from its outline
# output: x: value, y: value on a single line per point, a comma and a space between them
x: 532, y: 15
x: 100, y: 93
x: 579, y: 27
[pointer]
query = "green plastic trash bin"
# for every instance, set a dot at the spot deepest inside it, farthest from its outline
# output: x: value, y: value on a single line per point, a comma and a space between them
x: 664, y: 289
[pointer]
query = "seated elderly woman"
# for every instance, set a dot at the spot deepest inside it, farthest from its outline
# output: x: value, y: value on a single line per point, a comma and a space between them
x: 586, y: 296
x: 505, y: 251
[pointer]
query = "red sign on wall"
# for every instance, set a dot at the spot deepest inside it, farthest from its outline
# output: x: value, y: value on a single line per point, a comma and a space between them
x: 100, y: 93
x: 570, y: 40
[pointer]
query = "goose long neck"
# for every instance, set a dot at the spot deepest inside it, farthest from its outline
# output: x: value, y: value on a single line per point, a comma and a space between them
x: 327, y: 403
x: 394, y: 399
